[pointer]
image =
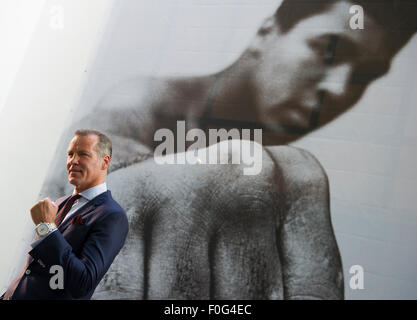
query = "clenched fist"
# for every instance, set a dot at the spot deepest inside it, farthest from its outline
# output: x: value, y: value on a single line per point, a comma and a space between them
x: 44, y: 211
x: 210, y: 232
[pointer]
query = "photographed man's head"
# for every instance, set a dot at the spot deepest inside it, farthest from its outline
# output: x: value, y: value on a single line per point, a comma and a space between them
x: 88, y: 158
x: 310, y: 63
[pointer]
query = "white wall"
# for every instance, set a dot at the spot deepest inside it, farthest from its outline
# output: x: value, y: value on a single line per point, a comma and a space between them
x: 18, y: 19
x: 47, y: 66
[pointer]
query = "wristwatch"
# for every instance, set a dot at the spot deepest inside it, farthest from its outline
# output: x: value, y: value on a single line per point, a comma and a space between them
x: 43, y: 228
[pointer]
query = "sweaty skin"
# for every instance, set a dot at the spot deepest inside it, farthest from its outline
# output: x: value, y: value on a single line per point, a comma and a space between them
x: 207, y: 231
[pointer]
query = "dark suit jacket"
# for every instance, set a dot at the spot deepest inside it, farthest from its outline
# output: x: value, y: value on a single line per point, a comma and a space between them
x: 85, y: 250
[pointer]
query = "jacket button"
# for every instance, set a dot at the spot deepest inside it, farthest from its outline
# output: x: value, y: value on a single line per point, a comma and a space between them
x: 27, y: 271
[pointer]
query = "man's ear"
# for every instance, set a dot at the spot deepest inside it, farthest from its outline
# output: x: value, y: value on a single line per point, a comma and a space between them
x: 106, y: 162
x: 268, y: 27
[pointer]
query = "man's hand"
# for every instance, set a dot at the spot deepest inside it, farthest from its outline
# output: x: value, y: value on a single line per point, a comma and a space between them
x: 210, y: 232
x: 44, y: 211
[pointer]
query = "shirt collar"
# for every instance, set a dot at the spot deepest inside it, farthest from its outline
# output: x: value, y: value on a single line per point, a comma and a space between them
x: 93, y: 192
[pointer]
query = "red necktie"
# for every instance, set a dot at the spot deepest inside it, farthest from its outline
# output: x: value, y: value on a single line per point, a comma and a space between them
x: 65, y: 209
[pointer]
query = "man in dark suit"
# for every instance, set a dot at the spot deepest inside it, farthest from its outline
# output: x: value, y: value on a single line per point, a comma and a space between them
x: 79, y: 236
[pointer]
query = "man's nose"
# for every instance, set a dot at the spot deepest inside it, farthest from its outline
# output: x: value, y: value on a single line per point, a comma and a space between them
x: 336, y: 80
x: 73, y: 159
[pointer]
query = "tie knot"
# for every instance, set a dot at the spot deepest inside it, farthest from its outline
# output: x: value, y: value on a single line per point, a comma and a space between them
x: 74, y: 198
x: 66, y: 208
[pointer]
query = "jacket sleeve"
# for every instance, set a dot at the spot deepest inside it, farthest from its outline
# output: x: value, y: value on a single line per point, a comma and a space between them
x: 83, y: 272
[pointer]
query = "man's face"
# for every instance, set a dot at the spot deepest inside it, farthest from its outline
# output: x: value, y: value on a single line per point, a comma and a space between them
x: 319, y: 64
x: 84, y: 166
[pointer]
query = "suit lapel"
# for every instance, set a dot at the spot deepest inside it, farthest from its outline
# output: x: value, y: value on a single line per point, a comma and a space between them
x: 61, y: 201
x: 88, y: 207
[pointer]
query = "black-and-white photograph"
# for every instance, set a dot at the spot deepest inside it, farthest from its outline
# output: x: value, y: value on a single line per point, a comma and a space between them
x: 235, y: 149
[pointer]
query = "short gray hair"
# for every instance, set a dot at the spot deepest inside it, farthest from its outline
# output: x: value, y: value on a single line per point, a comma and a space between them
x: 104, y: 145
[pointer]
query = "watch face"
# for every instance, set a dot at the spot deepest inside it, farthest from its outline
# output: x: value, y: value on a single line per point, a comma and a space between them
x: 42, y: 229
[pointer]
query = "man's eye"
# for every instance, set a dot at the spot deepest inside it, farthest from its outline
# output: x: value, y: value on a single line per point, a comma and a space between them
x: 324, y: 50
x: 333, y: 49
